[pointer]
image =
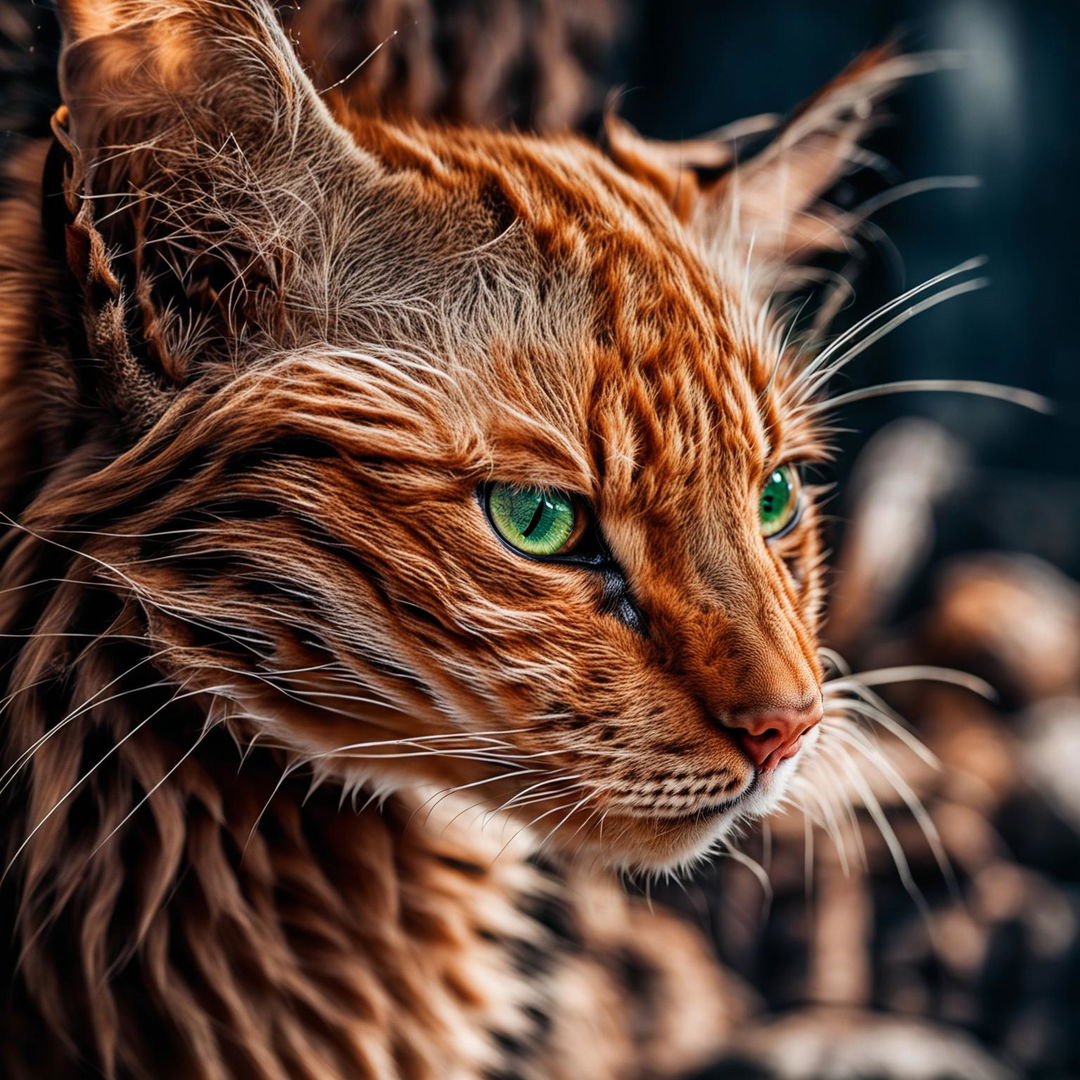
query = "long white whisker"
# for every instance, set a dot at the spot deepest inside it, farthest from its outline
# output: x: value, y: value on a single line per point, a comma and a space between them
x: 142, y: 802
x: 873, y: 754
x: 93, y: 768
x: 867, y: 321
x: 1026, y: 399
x: 878, y: 713
x: 755, y: 868
x: 433, y: 801
x: 521, y: 795
x: 531, y: 824
x: 846, y: 809
x: 892, y: 842
x: 563, y: 820
x: 12, y: 770
x: 809, y: 388
x: 822, y: 802
x: 914, y: 673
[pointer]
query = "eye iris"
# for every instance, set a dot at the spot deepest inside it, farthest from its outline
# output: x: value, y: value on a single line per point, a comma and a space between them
x: 778, y: 501
x: 534, y: 521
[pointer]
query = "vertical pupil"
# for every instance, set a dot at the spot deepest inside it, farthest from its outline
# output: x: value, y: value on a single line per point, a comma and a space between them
x: 532, y: 520
x: 541, y: 506
x: 776, y: 496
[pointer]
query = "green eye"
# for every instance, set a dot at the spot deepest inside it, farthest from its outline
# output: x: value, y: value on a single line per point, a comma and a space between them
x: 535, y: 522
x: 779, y: 501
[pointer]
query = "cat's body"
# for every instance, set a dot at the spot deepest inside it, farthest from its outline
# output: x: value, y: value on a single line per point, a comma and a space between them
x: 261, y: 368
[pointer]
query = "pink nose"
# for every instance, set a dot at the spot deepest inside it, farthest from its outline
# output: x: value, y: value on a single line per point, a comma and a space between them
x: 770, y: 735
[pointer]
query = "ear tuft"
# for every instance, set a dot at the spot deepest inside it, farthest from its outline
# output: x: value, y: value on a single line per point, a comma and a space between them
x: 679, y: 170
x: 774, y: 198
x: 771, y: 200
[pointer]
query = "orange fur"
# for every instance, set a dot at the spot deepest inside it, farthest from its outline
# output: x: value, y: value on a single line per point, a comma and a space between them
x: 280, y: 350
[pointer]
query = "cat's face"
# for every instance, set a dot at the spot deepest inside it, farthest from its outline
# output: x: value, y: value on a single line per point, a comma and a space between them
x: 492, y: 483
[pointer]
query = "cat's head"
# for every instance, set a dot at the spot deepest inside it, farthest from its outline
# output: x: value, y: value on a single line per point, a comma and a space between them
x: 450, y: 457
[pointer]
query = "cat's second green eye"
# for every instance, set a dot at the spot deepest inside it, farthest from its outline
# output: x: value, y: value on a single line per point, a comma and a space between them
x: 779, y: 501
x: 534, y: 521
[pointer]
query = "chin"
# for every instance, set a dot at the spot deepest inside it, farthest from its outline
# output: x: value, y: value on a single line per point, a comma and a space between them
x: 655, y: 844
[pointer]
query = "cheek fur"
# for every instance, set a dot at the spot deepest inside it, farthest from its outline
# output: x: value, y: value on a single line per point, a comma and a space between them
x: 379, y: 610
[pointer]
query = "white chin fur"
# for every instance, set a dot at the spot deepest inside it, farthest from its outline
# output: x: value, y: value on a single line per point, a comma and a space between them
x: 761, y: 798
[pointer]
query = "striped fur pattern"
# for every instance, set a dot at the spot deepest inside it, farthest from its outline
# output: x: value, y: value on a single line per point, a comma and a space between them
x: 286, y: 726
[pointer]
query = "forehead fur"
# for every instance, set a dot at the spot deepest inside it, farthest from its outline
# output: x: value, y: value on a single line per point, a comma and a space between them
x: 550, y: 303
x: 582, y: 269
x: 234, y: 219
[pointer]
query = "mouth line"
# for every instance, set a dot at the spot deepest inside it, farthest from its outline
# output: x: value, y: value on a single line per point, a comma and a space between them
x: 714, y: 810
x: 703, y: 813
x: 699, y: 817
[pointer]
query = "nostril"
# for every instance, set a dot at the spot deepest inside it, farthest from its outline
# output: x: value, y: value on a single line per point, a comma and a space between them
x: 760, y: 745
x: 770, y: 735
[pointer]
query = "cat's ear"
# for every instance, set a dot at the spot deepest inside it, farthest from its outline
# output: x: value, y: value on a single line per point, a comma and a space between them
x: 771, y: 199
x: 681, y: 170
x: 193, y: 150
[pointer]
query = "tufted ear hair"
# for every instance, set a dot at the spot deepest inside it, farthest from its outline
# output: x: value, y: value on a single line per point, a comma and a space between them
x: 772, y: 200
x: 194, y: 151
